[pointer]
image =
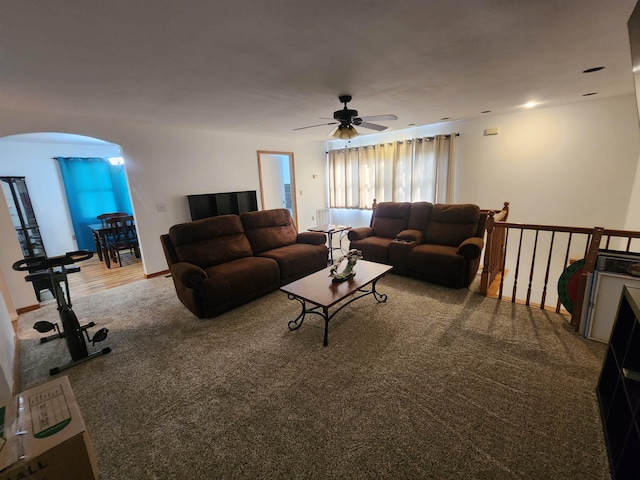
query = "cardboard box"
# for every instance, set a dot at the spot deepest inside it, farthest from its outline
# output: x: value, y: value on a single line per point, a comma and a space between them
x: 43, y: 436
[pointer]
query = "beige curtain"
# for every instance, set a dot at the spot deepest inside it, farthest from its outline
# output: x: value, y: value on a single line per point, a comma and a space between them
x: 419, y: 169
x: 344, y: 178
x: 403, y: 182
x: 433, y: 169
x: 368, y: 176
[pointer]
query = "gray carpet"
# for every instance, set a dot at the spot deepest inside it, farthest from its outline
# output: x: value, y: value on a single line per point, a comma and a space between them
x: 436, y: 383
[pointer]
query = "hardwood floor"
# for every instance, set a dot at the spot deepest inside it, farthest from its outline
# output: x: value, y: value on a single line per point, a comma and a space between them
x: 94, y: 276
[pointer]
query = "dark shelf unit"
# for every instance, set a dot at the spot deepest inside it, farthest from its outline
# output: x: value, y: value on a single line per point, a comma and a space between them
x: 619, y: 389
x: 23, y: 216
x: 214, y: 204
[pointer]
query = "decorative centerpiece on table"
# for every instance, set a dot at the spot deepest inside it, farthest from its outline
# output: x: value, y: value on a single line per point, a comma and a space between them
x: 352, y: 257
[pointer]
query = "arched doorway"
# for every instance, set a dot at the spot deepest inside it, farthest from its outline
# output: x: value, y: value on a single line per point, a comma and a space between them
x: 32, y: 156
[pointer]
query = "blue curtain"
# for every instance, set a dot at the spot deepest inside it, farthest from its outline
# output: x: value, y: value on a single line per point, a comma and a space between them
x: 93, y: 186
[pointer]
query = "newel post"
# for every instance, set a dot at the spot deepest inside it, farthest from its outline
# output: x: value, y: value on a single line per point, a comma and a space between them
x: 488, y: 256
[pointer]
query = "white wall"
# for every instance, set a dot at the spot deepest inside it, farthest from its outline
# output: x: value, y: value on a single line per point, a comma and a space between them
x: 7, y: 349
x: 633, y: 215
x: 20, y: 292
x: 12, y: 286
x: 572, y: 165
x: 273, y: 167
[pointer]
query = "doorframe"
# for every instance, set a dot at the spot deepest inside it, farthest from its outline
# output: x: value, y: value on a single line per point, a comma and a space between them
x: 292, y: 173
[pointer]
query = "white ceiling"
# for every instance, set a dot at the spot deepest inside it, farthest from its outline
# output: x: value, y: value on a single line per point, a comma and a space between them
x: 269, y: 66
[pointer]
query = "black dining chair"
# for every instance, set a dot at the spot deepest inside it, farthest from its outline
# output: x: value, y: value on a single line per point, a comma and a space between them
x: 122, y: 236
x: 104, y: 216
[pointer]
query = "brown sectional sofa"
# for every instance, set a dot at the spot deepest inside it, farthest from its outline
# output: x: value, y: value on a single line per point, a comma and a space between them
x: 221, y: 262
x: 438, y: 243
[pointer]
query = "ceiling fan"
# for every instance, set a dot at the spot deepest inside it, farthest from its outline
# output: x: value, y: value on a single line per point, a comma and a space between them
x: 347, y: 118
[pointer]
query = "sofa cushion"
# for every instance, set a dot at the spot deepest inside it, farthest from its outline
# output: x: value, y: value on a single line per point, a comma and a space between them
x: 390, y: 218
x: 452, y: 224
x: 296, y: 261
x: 236, y: 282
x: 269, y: 229
x: 438, y: 264
x: 210, y: 241
x: 374, y: 249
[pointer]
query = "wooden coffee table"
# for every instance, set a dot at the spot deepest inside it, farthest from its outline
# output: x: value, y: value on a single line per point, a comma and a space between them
x: 318, y: 290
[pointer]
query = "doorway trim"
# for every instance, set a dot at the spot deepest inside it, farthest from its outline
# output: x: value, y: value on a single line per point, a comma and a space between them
x: 292, y: 172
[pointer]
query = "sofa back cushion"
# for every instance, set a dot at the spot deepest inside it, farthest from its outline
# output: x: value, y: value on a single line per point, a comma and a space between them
x: 210, y: 241
x: 420, y: 216
x: 452, y: 224
x: 269, y: 229
x: 390, y: 218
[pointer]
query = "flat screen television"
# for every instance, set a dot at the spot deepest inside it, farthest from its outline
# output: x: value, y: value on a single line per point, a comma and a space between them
x: 213, y: 204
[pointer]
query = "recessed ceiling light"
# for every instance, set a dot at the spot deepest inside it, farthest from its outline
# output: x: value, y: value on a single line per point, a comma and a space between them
x: 530, y: 104
x: 594, y: 69
x: 486, y: 111
x: 590, y: 93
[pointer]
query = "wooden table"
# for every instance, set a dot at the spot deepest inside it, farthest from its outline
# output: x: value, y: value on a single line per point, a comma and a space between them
x: 319, y: 290
x: 100, y: 235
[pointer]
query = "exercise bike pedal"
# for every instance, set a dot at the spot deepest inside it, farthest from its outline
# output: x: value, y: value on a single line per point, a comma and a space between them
x: 88, y: 325
x: 44, y: 327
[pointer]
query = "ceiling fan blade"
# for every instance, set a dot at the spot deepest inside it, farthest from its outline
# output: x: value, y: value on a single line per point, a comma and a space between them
x: 372, y: 126
x: 318, y: 125
x: 380, y: 118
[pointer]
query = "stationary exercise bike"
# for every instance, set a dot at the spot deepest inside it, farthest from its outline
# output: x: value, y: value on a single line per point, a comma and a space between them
x: 55, y: 270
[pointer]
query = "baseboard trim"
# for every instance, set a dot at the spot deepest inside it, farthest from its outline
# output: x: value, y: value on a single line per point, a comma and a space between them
x: 157, y: 274
x: 20, y: 311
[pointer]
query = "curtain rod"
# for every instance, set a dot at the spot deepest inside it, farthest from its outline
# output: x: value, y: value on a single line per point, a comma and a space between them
x: 446, y: 135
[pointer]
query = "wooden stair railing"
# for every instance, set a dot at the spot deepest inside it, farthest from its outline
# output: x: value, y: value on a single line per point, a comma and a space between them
x: 499, y: 251
x: 494, y: 247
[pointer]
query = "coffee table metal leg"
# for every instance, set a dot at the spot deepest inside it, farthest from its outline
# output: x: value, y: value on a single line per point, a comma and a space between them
x: 380, y: 297
x: 325, y: 314
x: 293, y: 324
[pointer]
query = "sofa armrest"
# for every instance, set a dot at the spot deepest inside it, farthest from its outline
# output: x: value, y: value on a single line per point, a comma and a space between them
x: 408, y: 236
x: 471, y: 248
x: 360, y: 233
x: 188, y: 274
x: 312, y: 238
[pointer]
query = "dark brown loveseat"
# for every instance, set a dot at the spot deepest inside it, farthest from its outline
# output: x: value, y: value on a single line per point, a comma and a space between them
x: 221, y: 262
x: 438, y: 243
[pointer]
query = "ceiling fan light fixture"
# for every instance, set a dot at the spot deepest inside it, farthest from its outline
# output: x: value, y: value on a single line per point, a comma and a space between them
x: 345, y: 132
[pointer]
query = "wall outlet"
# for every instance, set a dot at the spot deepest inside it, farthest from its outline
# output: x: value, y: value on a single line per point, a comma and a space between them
x: 161, y: 207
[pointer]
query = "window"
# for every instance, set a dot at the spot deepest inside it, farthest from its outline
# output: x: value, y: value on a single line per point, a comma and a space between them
x: 413, y: 170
